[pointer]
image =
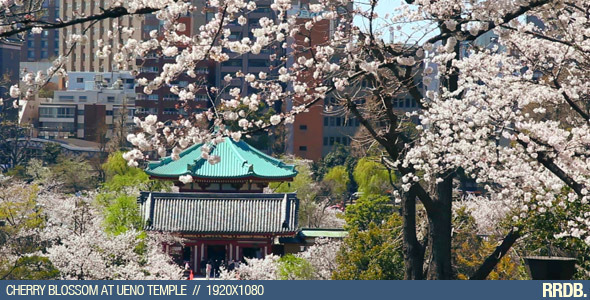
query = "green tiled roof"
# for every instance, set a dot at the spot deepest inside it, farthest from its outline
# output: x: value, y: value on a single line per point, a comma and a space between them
x: 319, y: 232
x: 313, y: 233
x: 238, y: 160
x: 219, y: 213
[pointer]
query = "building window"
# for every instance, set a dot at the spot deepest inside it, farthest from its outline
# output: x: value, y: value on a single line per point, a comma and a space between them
x: 171, y: 111
x: 171, y: 97
x: 31, y: 54
x: 235, y: 35
x: 332, y: 121
x: 302, y: 127
x: 356, y: 122
x: 407, y: 102
x: 153, y: 97
x: 57, y: 112
x: 148, y: 70
x: 109, y: 112
x: 338, y: 120
x: 82, y: 98
x: 302, y: 148
x: 262, y: 8
x: 110, y: 99
x: 259, y: 63
x: 80, y: 112
x: 325, y: 141
x: 232, y: 63
x: 66, y: 98
x: 331, y: 140
x: 79, y: 80
x: 201, y: 98
x: 337, y: 140
x: 325, y: 121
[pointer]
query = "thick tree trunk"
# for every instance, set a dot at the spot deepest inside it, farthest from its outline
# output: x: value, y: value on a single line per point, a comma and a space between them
x: 439, y: 232
x: 413, y: 250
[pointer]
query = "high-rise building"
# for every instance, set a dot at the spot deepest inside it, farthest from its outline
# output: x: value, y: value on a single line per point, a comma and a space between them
x: 9, y: 59
x: 83, y: 56
x: 314, y: 133
x: 249, y: 62
x: 43, y: 46
x: 162, y: 102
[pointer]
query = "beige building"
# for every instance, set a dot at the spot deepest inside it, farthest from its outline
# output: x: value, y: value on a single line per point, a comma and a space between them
x: 83, y: 57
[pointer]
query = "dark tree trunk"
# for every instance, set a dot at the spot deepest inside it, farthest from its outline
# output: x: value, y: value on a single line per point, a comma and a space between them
x: 439, y: 232
x: 413, y: 250
x: 490, y: 263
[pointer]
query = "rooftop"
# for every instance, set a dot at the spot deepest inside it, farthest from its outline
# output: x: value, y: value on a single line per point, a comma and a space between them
x: 200, y: 213
x: 238, y: 161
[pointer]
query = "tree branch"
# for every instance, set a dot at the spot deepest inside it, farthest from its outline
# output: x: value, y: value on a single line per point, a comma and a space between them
x: 110, y: 13
x: 491, y: 261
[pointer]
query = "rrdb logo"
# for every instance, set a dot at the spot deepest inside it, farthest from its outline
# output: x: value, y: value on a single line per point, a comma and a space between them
x: 563, y: 290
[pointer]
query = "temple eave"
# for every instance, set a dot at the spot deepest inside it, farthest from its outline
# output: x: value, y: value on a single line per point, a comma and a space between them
x: 224, y: 180
x: 204, y: 235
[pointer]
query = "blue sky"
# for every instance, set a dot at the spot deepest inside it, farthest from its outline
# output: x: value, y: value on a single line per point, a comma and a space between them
x: 384, y: 7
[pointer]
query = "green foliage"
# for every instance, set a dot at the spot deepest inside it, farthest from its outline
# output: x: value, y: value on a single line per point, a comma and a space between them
x: 340, y: 156
x: 338, y: 179
x: 51, y: 153
x: 31, y: 268
x: 36, y: 171
x: 119, y: 176
x: 300, y: 183
x: 470, y: 250
x: 368, y: 209
x: 18, y: 172
x: 372, y: 254
x: 307, y: 192
x: 122, y: 214
x: 372, y: 177
x: 540, y: 230
x: 18, y: 208
x: 74, y: 173
x: 19, y: 211
x: 117, y: 199
x: 291, y: 267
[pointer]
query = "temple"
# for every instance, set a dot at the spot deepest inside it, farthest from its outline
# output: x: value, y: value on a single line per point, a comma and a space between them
x: 243, y: 169
x: 223, y: 214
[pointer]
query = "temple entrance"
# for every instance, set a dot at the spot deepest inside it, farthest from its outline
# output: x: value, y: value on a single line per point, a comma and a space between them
x: 252, y: 252
x: 215, y: 257
x: 186, y: 253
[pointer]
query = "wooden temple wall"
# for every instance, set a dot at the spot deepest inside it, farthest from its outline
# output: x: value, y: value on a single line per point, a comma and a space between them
x: 223, y: 249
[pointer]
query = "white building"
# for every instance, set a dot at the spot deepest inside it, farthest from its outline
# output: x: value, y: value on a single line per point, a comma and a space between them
x: 88, y: 108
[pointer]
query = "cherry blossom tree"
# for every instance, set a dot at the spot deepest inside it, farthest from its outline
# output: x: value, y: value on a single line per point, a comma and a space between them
x: 80, y: 248
x: 320, y: 257
x: 515, y: 120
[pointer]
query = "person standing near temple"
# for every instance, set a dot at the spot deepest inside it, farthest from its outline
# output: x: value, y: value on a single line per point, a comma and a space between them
x: 209, y: 268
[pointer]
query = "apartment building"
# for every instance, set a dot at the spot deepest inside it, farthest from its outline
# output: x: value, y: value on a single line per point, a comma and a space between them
x: 88, y: 108
x: 43, y: 46
x: 83, y: 56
